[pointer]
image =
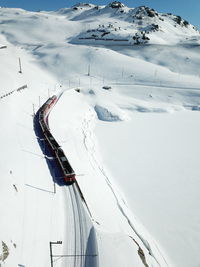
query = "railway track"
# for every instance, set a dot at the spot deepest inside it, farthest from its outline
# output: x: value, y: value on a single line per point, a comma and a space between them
x: 84, y: 252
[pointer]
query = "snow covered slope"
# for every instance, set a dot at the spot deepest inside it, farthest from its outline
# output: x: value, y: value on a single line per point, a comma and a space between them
x: 27, y: 202
x: 131, y: 132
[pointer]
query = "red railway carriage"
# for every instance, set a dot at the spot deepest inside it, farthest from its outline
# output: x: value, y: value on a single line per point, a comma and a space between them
x: 70, y: 178
x: 68, y: 172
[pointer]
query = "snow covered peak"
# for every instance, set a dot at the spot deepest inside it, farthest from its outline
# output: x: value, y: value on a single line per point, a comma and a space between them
x: 144, y: 11
x: 82, y: 5
x: 116, y: 4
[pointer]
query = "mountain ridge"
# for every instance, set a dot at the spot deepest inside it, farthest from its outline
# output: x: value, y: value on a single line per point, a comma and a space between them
x: 131, y: 26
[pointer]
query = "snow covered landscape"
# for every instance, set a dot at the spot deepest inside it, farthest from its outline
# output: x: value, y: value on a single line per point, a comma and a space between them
x: 127, y: 119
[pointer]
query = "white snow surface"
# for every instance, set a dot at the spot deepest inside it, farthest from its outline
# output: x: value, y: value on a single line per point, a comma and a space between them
x: 133, y: 147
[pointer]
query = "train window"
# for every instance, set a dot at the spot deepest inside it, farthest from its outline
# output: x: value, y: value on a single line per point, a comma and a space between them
x: 63, y: 158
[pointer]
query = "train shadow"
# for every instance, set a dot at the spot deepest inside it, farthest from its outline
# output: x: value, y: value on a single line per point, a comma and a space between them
x: 52, y: 163
x: 91, y: 253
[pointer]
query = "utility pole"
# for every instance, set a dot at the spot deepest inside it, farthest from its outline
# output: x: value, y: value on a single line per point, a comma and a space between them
x: 51, y: 254
x: 20, y: 66
x: 69, y: 255
x: 89, y: 70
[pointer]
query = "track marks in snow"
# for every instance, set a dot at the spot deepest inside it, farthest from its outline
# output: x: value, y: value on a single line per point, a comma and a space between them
x: 89, y: 143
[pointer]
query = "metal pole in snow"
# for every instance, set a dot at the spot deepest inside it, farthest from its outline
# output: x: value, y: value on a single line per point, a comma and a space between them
x: 54, y: 186
x: 51, y: 254
x: 33, y: 110
x: 89, y: 70
x: 20, y: 66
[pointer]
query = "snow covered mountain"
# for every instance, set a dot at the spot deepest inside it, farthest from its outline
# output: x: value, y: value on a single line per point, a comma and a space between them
x: 118, y: 24
x: 130, y: 131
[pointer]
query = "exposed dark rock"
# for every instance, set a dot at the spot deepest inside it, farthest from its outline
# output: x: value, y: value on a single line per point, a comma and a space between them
x: 185, y: 23
x: 116, y: 4
x: 151, y: 12
x: 143, y: 11
x: 140, y: 38
x: 155, y: 27
x: 144, y: 37
x: 181, y: 21
x: 178, y: 19
x: 138, y: 17
x: 103, y: 34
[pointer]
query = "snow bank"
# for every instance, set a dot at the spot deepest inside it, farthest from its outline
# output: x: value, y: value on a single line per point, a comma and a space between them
x: 105, y: 115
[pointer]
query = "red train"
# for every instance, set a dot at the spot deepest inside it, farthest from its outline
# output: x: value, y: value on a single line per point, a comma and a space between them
x: 68, y: 172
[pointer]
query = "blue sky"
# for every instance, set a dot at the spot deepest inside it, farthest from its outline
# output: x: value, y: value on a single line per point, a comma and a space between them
x: 189, y: 10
